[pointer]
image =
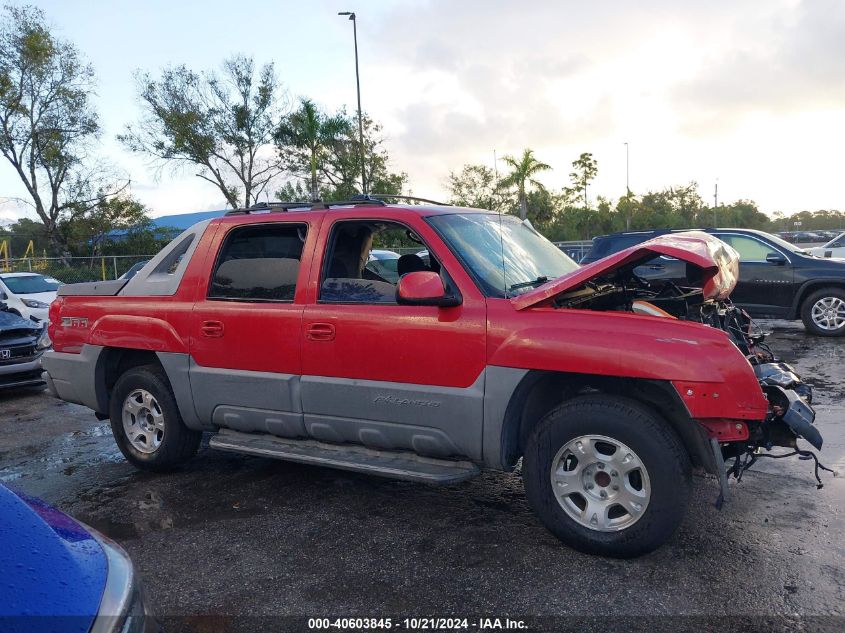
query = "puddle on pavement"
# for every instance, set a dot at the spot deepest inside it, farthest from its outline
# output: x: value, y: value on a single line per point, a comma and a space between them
x: 67, y: 453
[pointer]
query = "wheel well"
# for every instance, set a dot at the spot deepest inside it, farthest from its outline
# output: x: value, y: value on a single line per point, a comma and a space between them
x: 808, y: 289
x: 541, y: 391
x: 113, y: 363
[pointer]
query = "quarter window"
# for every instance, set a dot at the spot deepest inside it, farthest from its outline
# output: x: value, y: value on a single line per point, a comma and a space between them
x: 259, y: 263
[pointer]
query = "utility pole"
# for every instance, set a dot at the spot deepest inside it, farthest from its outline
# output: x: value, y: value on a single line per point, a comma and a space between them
x: 627, y: 173
x: 352, y: 17
x: 627, y: 190
x: 715, y: 203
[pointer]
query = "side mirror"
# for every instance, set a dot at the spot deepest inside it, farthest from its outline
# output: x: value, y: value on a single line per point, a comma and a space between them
x: 776, y: 258
x: 424, y: 288
x: 3, y: 295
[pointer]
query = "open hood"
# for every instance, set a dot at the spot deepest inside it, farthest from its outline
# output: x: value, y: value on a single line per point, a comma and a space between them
x: 719, y: 264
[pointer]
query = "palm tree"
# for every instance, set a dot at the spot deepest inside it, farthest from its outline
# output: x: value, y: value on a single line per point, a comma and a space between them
x: 522, y: 172
x: 311, y: 130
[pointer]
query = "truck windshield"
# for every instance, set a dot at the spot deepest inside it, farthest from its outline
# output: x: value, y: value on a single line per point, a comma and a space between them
x: 506, y: 256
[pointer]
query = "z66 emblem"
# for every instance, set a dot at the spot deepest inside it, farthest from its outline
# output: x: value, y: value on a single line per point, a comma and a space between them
x: 75, y: 322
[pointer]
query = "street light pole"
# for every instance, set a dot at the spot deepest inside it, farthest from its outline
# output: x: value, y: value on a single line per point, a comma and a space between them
x: 352, y: 17
x: 715, y: 203
x: 627, y: 172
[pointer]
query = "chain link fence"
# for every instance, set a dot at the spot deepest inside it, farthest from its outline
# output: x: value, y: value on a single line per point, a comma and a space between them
x: 79, y: 269
x: 74, y: 269
x: 576, y: 250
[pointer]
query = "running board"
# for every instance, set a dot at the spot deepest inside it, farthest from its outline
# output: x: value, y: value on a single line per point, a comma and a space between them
x: 394, y: 464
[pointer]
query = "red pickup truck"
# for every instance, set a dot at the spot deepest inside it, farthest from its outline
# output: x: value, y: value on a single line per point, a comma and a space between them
x: 267, y: 329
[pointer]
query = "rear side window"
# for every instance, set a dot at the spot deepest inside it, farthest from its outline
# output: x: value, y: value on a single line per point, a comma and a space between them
x: 259, y: 263
x: 608, y: 246
x: 749, y: 249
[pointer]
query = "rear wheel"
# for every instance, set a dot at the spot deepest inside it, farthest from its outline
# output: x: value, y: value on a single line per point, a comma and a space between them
x: 607, y: 476
x: 146, y: 423
x: 823, y: 312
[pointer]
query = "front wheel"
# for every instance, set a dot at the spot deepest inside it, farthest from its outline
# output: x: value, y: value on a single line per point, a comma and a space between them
x: 607, y: 476
x: 146, y: 423
x: 823, y: 312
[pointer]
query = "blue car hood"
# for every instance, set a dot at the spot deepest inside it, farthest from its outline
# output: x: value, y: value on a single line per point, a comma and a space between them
x: 10, y: 322
x: 49, y: 566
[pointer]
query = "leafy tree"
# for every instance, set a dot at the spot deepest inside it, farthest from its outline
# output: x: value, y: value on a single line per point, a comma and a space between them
x: 340, y: 169
x: 476, y: 186
x: 543, y: 208
x: 522, y: 174
x: 111, y: 220
x: 585, y: 169
x: 303, y: 136
x: 19, y: 233
x: 293, y: 191
x: 222, y: 123
x: 47, y: 121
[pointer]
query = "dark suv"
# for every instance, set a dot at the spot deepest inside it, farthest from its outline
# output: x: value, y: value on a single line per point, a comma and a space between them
x: 776, y: 278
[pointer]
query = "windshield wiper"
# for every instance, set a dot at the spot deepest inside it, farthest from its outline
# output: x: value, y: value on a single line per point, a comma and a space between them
x: 534, y: 282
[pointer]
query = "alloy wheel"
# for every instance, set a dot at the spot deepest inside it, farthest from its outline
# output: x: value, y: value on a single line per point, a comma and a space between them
x: 828, y: 313
x: 600, y: 483
x: 143, y: 421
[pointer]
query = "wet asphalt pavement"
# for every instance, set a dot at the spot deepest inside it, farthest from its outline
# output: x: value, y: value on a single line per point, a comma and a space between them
x: 246, y: 537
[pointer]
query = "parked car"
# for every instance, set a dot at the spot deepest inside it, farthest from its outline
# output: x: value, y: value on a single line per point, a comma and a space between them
x: 385, y: 264
x: 62, y: 576
x: 804, y: 237
x: 776, y: 279
x: 28, y: 294
x: 834, y: 248
x: 272, y: 335
x: 133, y: 270
x: 22, y: 344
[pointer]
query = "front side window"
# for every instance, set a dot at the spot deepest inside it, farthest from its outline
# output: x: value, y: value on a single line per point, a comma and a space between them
x: 749, y: 249
x: 362, y: 264
x: 504, y: 255
x: 259, y: 263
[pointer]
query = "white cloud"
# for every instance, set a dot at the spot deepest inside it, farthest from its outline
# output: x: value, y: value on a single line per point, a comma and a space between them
x: 746, y: 91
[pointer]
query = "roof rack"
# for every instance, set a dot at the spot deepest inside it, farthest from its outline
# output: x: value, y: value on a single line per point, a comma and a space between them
x: 306, y: 206
x: 417, y: 198
x: 360, y: 200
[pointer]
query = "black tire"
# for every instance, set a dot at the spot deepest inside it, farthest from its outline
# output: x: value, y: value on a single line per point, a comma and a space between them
x: 654, y: 443
x: 832, y: 294
x: 178, y: 442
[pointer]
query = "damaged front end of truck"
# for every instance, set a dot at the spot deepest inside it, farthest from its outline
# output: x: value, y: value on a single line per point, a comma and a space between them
x: 702, y: 296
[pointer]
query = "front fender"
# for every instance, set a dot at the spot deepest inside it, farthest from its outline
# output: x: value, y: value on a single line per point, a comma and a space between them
x: 693, y: 357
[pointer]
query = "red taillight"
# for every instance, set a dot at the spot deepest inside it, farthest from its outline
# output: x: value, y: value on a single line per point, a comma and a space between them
x: 55, y: 319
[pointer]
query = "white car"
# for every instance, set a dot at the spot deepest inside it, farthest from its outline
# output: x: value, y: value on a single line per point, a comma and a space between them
x: 834, y: 248
x: 28, y: 294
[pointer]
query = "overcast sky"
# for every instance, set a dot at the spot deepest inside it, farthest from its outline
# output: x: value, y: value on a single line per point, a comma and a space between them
x: 747, y: 92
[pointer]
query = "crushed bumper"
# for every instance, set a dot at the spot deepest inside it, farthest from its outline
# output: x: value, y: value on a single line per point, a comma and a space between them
x: 791, y: 414
x: 21, y: 374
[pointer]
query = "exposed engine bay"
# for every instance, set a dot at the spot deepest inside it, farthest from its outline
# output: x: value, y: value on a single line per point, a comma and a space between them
x: 790, y: 416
